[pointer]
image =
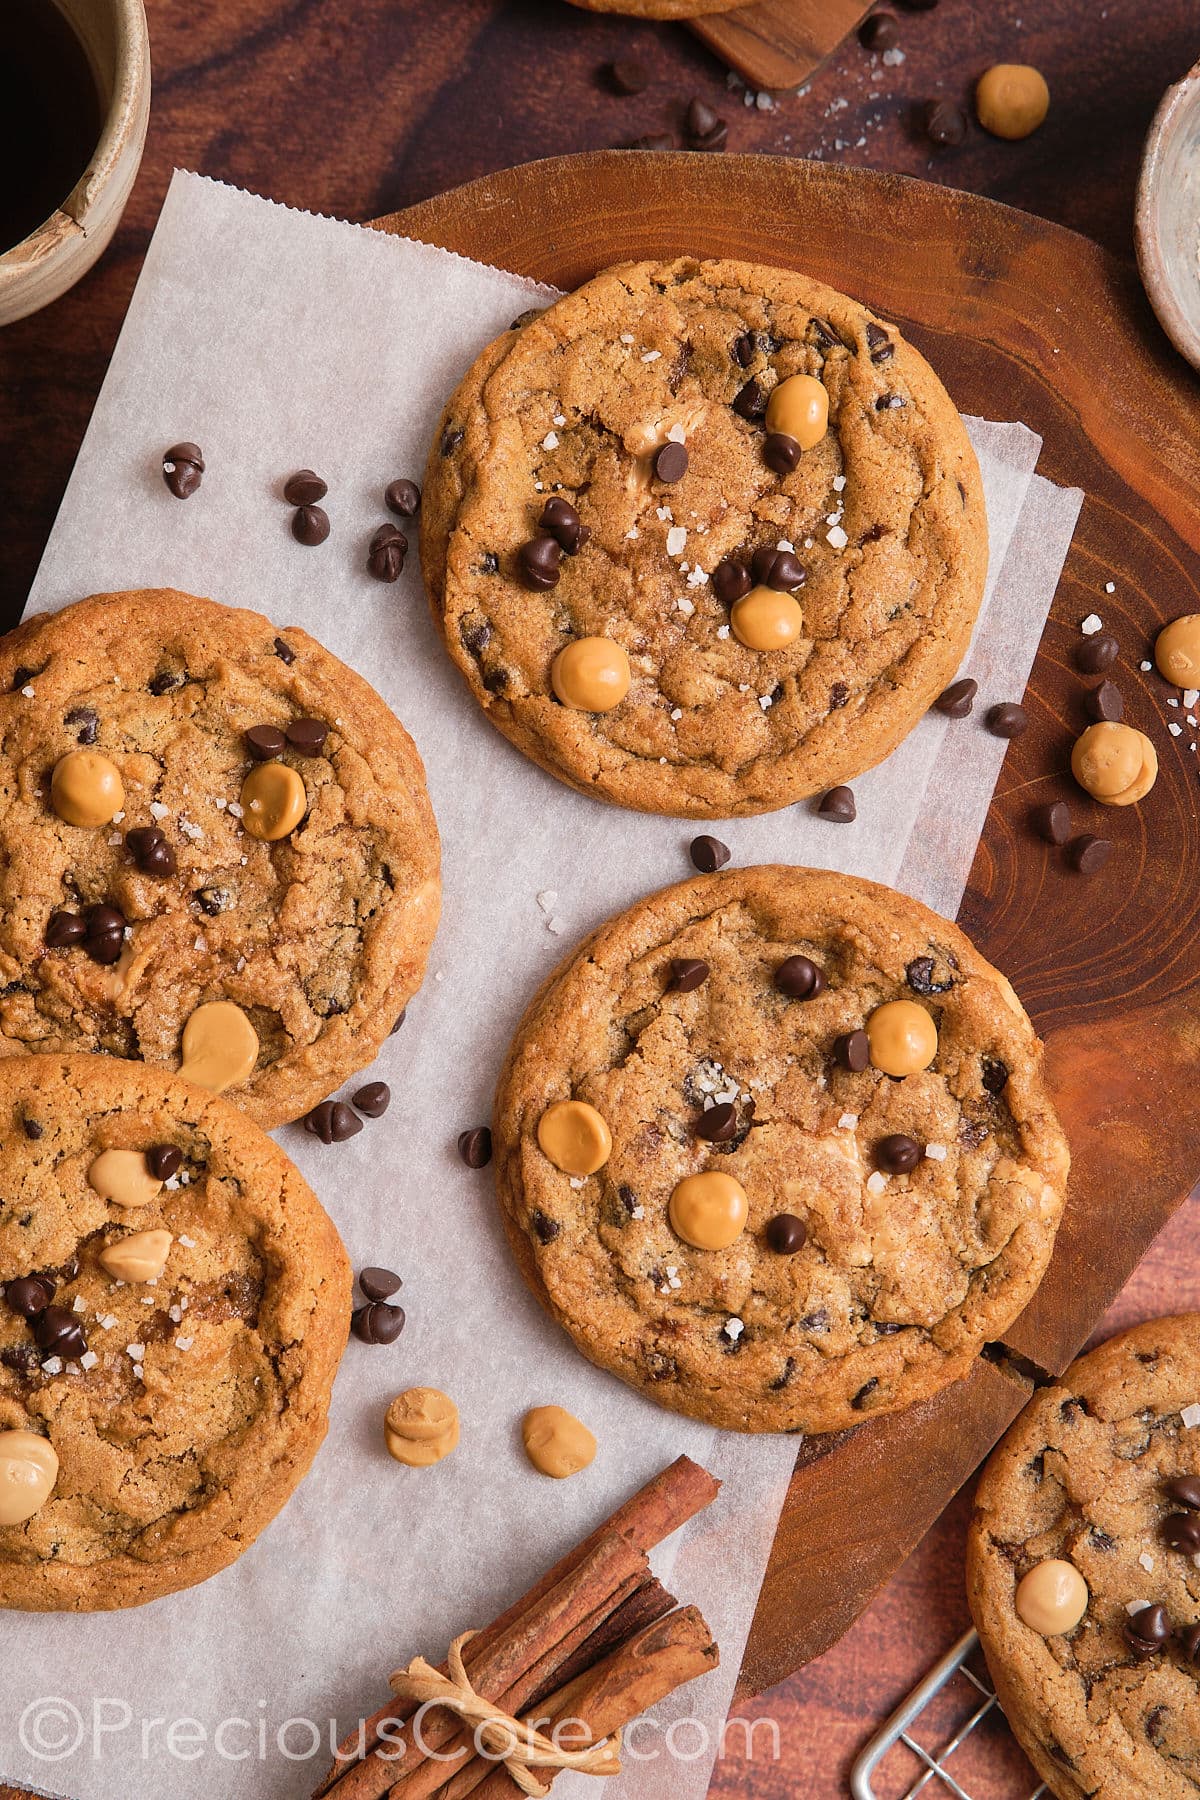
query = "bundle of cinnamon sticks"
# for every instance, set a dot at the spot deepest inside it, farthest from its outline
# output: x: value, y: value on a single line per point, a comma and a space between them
x: 596, y: 1640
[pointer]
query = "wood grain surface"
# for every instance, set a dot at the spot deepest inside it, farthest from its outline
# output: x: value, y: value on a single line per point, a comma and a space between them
x: 780, y: 43
x: 364, y: 109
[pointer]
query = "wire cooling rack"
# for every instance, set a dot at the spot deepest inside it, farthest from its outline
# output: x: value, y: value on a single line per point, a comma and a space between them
x: 953, y: 1702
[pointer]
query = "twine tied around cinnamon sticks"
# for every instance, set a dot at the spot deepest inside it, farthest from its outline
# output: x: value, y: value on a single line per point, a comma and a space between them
x: 518, y: 1745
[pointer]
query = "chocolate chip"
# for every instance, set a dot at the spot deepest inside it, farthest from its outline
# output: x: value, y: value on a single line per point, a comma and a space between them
x: 1182, y: 1532
x: 1188, y: 1639
x: 839, y: 693
x: 838, y: 806
x: 670, y: 462
x: 897, y: 1154
x: 1185, y: 1489
x: 452, y: 437
x: 265, y: 741
x: 165, y: 682
x: 957, y: 700
x: 402, y: 497
x: 781, y: 452
x: 539, y: 562
x: 333, y: 1122
x: 373, y: 1099
x: 744, y: 349
x: 379, y: 1284
x: 284, y: 651
x: 183, y: 467
x: 1089, y: 854
x: 475, y: 1147
x: 945, y: 124
x: 718, y: 1123
x: 879, y: 32
x: 1095, y: 654
x: 307, y: 736
x: 400, y: 1018
x: 87, y: 722
x: 304, y: 488
x: 29, y: 1295
x: 1052, y: 821
x: 150, y: 850
x: 994, y: 1075
x: 799, y: 978
x: 213, y: 900
x: 864, y: 1393
x: 377, y: 1323
x: 105, y: 933
x: 164, y: 1160
x: 750, y: 402
x: 1105, y: 702
x: 1147, y: 1630
x: 852, y: 1051
x: 786, y: 1234
x: 1007, y: 720
x: 63, y: 929
x: 708, y: 854
x: 32, y: 1129
x: 563, y: 523
x: 879, y: 343
x: 59, y: 1333
x: 780, y: 570
x: 545, y: 1229
x: 627, y: 75
x: 310, y: 525
x: 731, y: 580
x: 386, y: 553
x: 687, y: 973
x: 703, y: 128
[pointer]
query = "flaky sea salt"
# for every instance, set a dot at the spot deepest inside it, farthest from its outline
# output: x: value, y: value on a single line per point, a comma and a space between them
x: 158, y: 810
x: 733, y: 1329
x: 184, y: 1343
x: 187, y: 1242
x: 936, y: 1152
x: 847, y: 1122
x: 79, y: 1304
x: 837, y: 537
x: 53, y: 1365
x: 651, y: 355
x: 676, y: 539
x: 1092, y: 624
x: 839, y: 483
x: 546, y: 899
x: 876, y: 1182
x: 1147, y: 1562
x: 1190, y: 1416
x: 88, y: 1360
x: 1110, y: 587
x: 685, y: 606
x: 677, y: 435
x: 27, y: 690
x: 137, y: 1351
x: 550, y: 441
x: 1135, y: 1606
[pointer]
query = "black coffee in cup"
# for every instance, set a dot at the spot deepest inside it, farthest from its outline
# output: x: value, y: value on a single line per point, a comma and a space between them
x: 49, y: 115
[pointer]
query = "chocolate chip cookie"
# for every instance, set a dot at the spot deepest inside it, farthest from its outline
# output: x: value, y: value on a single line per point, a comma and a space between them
x: 1081, y: 1569
x: 217, y: 849
x: 175, y: 1303
x: 703, y: 537
x: 775, y: 1147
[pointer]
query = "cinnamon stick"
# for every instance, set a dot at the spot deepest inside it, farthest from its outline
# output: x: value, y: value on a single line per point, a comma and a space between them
x: 647, y: 1603
x: 666, y: 1502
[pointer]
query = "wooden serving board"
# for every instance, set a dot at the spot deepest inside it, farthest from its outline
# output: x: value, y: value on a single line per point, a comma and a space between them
x: 1023, y: 320
x: 779, y: 43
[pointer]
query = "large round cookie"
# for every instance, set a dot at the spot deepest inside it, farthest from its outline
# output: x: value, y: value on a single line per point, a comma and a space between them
x: 885, y: 514
x: 1082, y: 1477
x: 903, y: 1276
x: 319, y: 937
x: 191, y: 1419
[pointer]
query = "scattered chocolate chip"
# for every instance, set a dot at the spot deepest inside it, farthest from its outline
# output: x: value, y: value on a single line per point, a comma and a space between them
x: 373, y: 1099
x: 1182, y: 1532
x: 165, y: 682
x: 879, y: 32
x: 148, y: 846
x: 379, y: 1284
x: 475, y: 1147
x: 1105, y: 702
x: 164, y: 1160
x: 879, y: 343
x: 1147, y: 1630
x: 284, y: 651
x: 265, y: 741
x: 105, y: 933
x: 307, y: 736
x: 627, y: 75
x: 386, y: 553
x: 539, y: 562
x: 781, y: 452
x: 704, y: 129
x: 183, y: 468
x: 864, y: 1393
x: 957, y: 700
x: 1088, y: 854
x: 731, y: 580
x: 838, y: 806
x: 670, y: 462
x: 745, y: 349
x: 377, y: 1323
x: 852, y: 1051
x: 29, y: 1295
x: 1188, y: 1639
x: 212, y: 900
x: 1185, y: 1489
x: 1095, y: 654
x: 32, y: 1129
x: 920, y: 973
x: 708, y: 854
x: 687, y: 974
x: 63, y: 929
x: 652, y: 140
x: 304, y: 488
x: 1052, y: 821
x: 786, y: 1234
x: 88, y: 724
x: 1007, y: 720
x: 402, y: 497
x: 310, y: 525
x: 994, y: 1075
x: 945, y: 124
x: 750, y: 402
x: 799, y: 978
x: 717, y: 1124
x: 545, y: 1229
x: 563, y: 523
x: 59, y: 1333
x: 333, y: 1122
x: 897, y: 1154
x: 781, y: 570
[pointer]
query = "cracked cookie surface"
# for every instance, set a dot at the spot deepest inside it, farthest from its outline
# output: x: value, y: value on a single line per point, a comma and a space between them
x: 171, y: 1460
x: 901, y: 1278
x: 1082, y: 1477
x: 885, y: 514
x: 320, y: 937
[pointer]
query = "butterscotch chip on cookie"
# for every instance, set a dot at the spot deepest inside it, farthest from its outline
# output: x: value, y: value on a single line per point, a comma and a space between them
x: 822, y: 1168
x: 218, y: 853
x: 1092, y: 1503
x: 703, y: 537
x: 175, y: 1302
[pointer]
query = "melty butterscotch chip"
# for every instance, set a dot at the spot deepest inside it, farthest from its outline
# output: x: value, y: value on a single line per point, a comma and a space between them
x: 420, y: 1427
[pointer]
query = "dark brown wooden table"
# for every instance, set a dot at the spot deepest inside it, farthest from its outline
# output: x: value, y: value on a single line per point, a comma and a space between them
x: 363, y: 109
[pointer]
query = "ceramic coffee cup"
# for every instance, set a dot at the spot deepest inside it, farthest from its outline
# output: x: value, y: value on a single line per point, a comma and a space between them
x: 1167, y: 222
x: 54, y: 256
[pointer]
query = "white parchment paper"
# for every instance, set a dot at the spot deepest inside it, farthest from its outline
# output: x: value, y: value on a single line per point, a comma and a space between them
x: 278, y: 340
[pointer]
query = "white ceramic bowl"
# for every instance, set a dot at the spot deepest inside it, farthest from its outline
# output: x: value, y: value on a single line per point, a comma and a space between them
x: 1167, y: 220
